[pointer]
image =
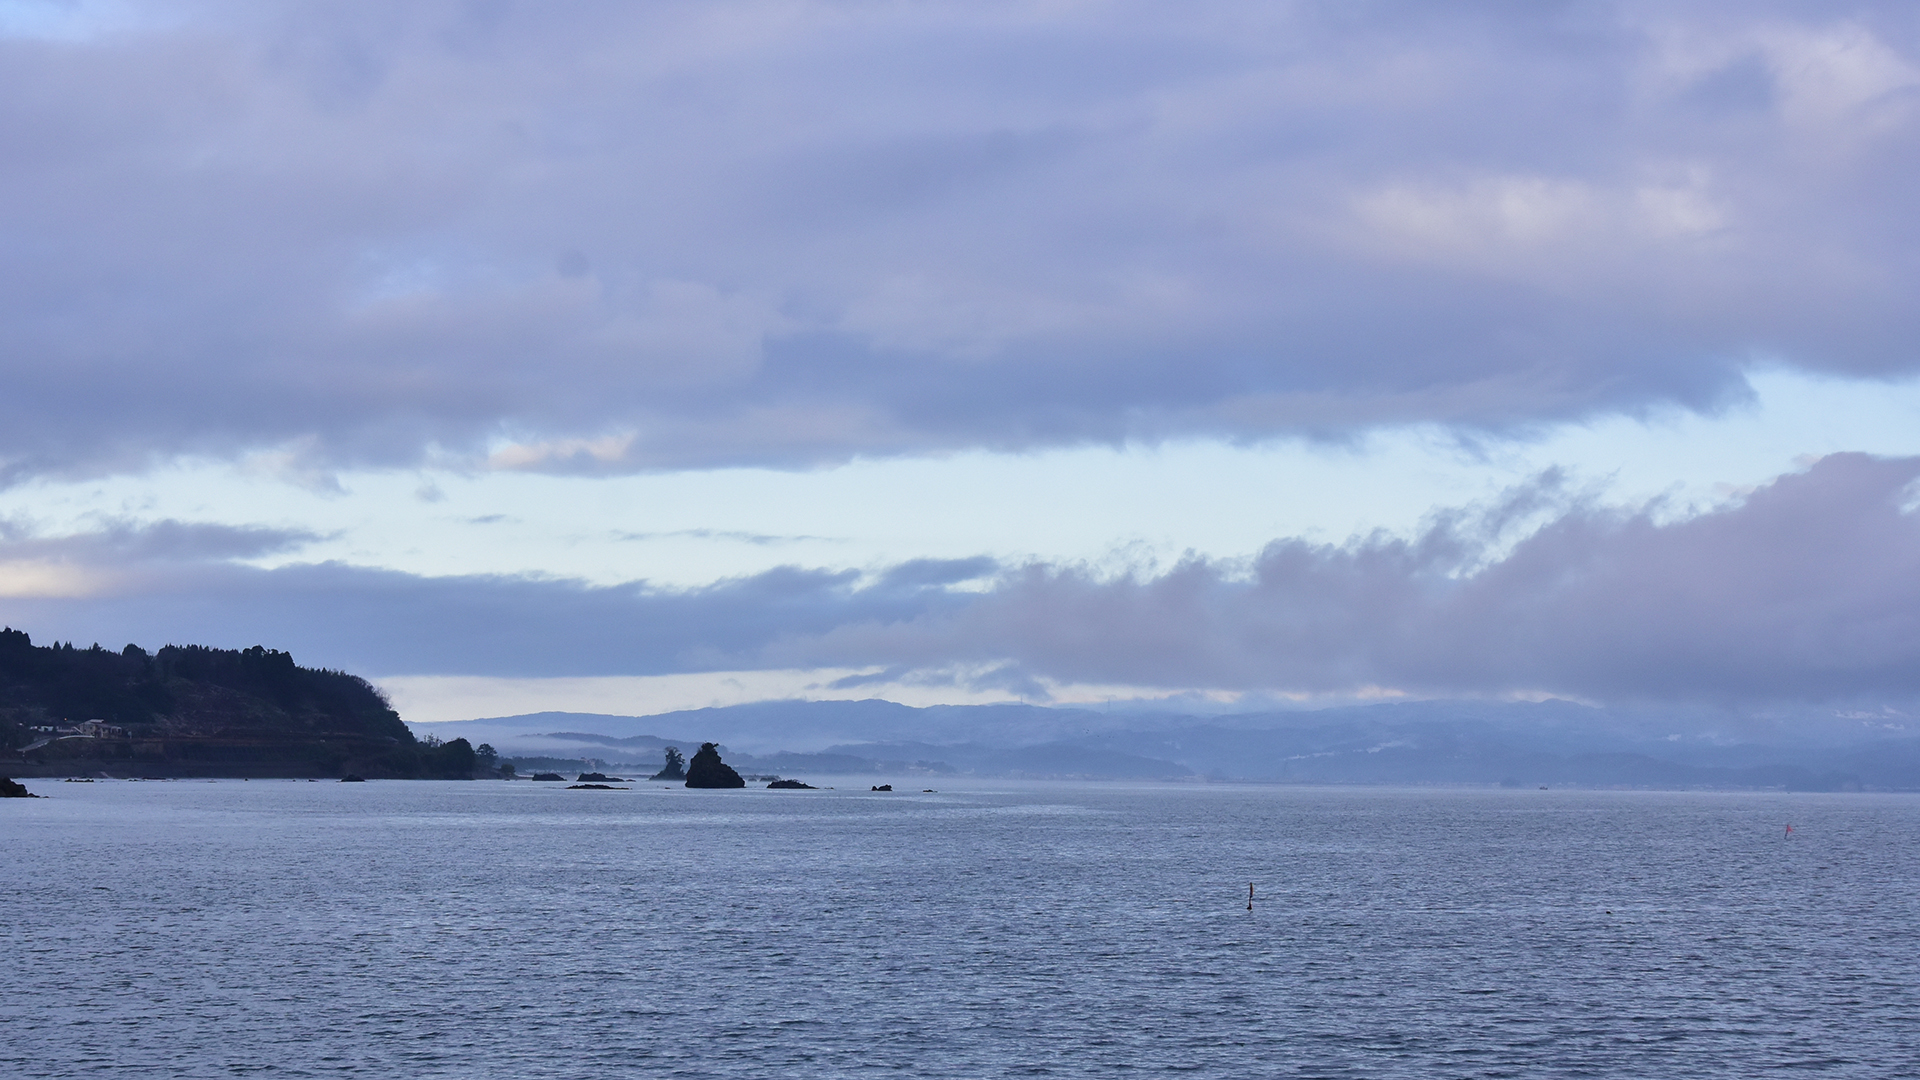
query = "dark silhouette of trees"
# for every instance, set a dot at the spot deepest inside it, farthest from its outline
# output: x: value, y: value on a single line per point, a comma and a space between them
x: 452, y: 761
x: 209, y: 710
x: 58, y: 683
x: 676, y: 767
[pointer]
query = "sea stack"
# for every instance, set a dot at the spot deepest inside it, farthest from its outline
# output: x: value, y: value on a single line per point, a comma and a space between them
x: 676, y: 767
x: 707, y: 770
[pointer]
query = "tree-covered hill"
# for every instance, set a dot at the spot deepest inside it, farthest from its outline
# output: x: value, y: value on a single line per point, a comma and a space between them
x: 192, y: 710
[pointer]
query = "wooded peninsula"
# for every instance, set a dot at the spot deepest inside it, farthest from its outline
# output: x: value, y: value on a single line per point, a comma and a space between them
x: 189, y: 710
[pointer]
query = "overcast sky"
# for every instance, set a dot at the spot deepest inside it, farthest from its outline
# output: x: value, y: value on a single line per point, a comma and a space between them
x: 631, y: 356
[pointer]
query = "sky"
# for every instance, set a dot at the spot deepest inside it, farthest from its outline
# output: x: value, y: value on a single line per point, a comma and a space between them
x: 627, y: 357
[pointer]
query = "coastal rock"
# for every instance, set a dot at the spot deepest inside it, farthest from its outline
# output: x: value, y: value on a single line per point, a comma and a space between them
x: 792, y: 785
x: 11, y: 790
x: 549, y: 776
x: 594, y: 787
x: 706, y: 770
x: 675, y: 768
x: 351, y: 778
x: 882, y: 787
x: 599, y: 778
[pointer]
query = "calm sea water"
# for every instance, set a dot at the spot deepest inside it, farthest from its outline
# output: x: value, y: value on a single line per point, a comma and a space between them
x: 188, y: 929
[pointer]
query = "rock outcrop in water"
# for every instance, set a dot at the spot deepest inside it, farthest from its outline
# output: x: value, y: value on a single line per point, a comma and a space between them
x: 706, y: 770
x: 792, y: 785
x: 11, y: 790
x: 675, y: 768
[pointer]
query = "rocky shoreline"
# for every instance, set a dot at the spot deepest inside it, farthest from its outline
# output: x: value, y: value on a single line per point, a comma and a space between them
x: 11, y: 790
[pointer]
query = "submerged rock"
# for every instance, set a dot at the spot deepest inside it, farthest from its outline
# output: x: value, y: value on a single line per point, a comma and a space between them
x: 11, y: 790
x: 794, y: 785
x: 595, y: 787
x: 599, y: 778
x: 706, y: 770
x: 353, y: 778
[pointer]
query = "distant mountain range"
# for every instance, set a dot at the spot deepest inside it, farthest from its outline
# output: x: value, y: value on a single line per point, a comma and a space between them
x: 1552, y: 743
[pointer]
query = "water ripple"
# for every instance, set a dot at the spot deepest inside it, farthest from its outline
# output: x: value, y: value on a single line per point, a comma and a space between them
x: 509, y: 930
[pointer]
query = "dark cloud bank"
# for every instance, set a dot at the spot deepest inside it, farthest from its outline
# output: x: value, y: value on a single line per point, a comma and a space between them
x: 666, y: 235
x: 1807, y: 591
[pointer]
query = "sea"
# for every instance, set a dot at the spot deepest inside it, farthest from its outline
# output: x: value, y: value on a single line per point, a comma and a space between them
x: 488, y: 929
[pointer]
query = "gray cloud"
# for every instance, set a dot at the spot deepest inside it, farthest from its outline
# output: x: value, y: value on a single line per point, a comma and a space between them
x: 389, y: 622
x: 757, y: 539
x: 167, y: 542
x: 670, y: 235
x: 1808, y: 590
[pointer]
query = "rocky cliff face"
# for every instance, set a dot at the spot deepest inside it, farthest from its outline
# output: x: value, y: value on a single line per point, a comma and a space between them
x: 706, y: 770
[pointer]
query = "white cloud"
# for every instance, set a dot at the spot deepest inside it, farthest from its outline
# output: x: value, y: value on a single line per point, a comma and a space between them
x: 1829, y: 74
x: 50, y: 579
x: 607, y: 448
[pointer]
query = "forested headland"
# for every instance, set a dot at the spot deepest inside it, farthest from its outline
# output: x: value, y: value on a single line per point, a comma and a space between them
x: 189, y: 710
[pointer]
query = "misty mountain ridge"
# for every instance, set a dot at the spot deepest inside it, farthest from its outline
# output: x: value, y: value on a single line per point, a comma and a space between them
x: 1551, y: 742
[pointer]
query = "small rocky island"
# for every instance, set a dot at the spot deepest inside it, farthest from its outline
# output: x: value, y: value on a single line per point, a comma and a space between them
x: 676, y: 767
x: 11, y: 790
x: 706, y: 770
x: 792, y: 785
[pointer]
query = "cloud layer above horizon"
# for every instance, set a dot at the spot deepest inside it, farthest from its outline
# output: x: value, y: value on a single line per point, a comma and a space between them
x: 485, y: 276
x: 609, y: 237
x: 1808, y: 590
